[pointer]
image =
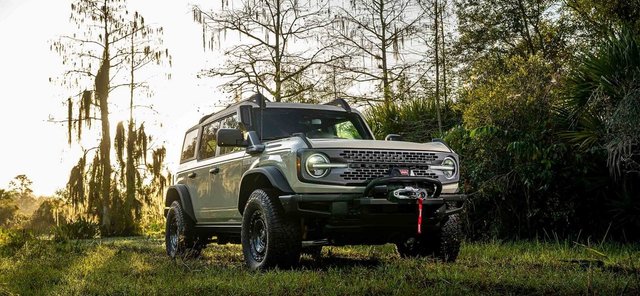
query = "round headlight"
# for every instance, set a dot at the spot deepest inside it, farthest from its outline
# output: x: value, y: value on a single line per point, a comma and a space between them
x: 312, y: 169
x: 450, y: 164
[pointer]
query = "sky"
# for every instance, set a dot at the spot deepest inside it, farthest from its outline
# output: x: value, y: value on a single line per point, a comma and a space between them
x: 32, y: 145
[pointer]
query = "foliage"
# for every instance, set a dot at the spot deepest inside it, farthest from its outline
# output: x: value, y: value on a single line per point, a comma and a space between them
x: 603, y: 103
x: 599, y: 19
x: 109, y: 42
x: 602, y: 109
x: 51, y: 212
x: 12, y: 240
x: 414, y: 120
x: 8, y: 208
x: 511, y: 161
x: 78, y: 229
x: 505, y: 27
x: 139, y: 266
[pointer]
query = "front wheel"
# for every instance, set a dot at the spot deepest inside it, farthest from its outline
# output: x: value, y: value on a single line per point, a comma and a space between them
x: 269, y: 239
x: 443, y: 244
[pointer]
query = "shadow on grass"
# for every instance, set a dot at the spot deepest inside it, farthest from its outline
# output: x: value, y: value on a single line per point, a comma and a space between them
x: 334, y: 262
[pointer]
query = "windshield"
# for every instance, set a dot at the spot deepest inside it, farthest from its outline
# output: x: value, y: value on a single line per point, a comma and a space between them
x: 316, y: 124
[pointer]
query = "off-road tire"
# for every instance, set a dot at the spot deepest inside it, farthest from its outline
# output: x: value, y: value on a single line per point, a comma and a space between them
x: 450, y: 240
x: 443, y: 245
x: 180, y: 239
x: 269, y: 238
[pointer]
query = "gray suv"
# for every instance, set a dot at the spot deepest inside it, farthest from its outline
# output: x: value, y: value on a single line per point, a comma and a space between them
x: 286, y: 178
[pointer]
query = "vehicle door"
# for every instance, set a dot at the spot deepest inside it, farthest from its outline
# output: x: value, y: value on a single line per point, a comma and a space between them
x: 207, y: 152
x: 188, y: 172
x: 229, y: 166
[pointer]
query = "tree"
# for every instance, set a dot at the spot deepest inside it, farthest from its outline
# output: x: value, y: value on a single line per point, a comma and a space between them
x: 599, y: 19
x: 8, y: 207
x: 506, y: 27
x: 94, y: 55
x: 373, y: 34
x: 268, y: 57
x: 21, y: 184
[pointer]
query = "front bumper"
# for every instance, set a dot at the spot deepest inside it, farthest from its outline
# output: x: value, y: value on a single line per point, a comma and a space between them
x: 353, y: 219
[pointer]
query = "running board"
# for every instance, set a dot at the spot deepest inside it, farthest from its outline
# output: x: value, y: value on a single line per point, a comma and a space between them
x: 220, y: 228
x: 322, y: 242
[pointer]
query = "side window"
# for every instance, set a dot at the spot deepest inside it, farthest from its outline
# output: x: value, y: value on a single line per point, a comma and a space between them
x: 208, y: 142
x: 230, y: 122
x: 189, y: 145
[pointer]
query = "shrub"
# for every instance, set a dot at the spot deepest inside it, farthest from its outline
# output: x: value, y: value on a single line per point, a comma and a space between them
x: 414, y: 120
x: 79, y: 229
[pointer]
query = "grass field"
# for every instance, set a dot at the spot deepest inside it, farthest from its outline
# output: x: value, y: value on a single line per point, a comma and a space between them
x: 129, y: 266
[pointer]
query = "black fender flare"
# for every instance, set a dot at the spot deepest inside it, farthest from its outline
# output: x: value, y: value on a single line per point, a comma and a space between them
x: 180, y: 192
x: 272, y: 173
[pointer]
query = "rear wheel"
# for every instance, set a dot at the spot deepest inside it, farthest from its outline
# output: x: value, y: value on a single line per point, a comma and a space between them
x: 180, y: 239
x: 269, y: 239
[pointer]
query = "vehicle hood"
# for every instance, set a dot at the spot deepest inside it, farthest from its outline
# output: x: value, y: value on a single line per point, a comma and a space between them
x: 378, y: 144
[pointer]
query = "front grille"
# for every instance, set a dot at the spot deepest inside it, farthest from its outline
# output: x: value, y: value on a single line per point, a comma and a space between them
x: 394, y: 157
x: 366, y: 165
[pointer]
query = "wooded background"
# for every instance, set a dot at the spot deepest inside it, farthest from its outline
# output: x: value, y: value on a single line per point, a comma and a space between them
x: 540, y: 98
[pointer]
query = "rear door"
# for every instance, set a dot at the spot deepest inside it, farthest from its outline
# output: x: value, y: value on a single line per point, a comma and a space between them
x: 188, y: 171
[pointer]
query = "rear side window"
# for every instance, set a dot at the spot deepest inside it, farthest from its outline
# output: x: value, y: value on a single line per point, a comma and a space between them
x: 189, y: 146
x: 208, y: 142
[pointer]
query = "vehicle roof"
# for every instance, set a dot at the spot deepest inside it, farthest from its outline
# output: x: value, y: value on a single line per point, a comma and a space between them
x: 233, y: 107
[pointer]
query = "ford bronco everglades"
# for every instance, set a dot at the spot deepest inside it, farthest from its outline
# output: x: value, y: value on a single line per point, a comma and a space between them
x: 286, y: 178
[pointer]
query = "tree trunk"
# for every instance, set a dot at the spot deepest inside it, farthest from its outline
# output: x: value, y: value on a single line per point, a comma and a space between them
x: 437, y: 60
x: 130, y: 166
x: 444, y: 57
x: 278, y: 55
x: 386, y: 87
x: 102, y: 94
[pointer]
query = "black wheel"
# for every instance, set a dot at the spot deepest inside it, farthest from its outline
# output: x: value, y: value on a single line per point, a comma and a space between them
x: 180, y: 241
x: 412, y: 247
x: 269, y: 239
x: 447, y: 246
x: 443, y: 244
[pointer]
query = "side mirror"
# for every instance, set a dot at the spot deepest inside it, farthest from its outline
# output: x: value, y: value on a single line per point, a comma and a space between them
x: 244, y: 113
x: 393, y: 137
x: 229, y: 137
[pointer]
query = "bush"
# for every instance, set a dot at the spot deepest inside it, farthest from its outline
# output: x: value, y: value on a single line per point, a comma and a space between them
x: 511, y: 159
x: 414, y: 120
x: 12, y: 240
x: 79, y: 229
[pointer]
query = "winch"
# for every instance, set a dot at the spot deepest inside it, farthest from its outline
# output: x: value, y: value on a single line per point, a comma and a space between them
x: 409, y: 192
x: 419, y: 194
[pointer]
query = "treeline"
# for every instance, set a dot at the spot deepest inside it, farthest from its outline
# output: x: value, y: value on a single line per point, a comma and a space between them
x: 539, y: 97
x: 546, y: 119
x: 20, y: 208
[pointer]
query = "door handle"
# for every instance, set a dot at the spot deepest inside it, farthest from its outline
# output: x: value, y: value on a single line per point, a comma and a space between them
x: 214, y: 171
x: 191, y: 175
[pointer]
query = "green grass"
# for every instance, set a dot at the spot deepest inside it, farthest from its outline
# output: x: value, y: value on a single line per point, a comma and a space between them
x: 127, y: 266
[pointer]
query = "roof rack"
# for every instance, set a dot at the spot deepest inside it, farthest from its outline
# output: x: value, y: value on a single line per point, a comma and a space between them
x: 340, y: 102
x: 257, y: 98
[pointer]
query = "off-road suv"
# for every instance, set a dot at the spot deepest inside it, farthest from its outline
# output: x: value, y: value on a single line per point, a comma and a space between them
x: 285, y: 178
